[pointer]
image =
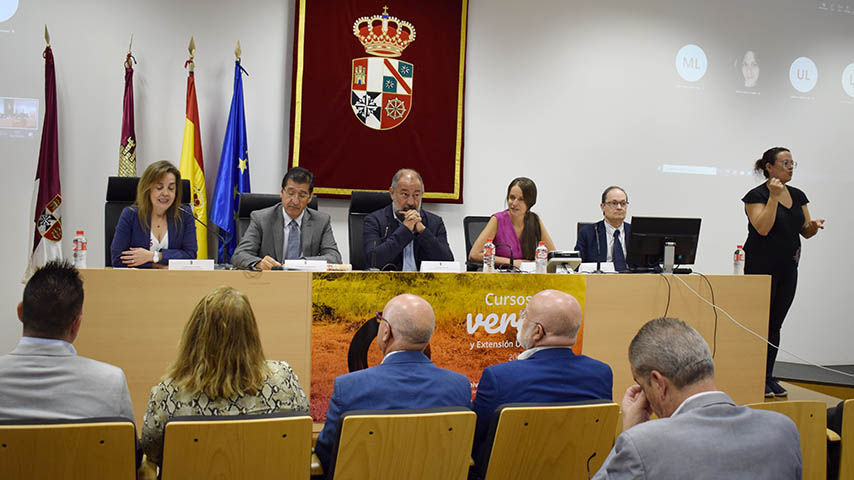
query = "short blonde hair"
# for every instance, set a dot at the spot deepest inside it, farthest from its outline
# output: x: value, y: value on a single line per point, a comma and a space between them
x: 220, y: 353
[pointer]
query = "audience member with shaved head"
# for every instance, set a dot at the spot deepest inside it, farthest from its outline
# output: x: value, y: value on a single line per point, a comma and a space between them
x: 700, y: 432
x: 548, y: 370
x: 405, y: 379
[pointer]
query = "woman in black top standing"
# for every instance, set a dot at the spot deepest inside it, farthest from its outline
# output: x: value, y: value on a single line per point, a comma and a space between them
x: 778, y: 214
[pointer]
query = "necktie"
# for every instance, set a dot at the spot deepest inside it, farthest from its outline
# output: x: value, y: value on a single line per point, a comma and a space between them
x: 293, y: 250
x: 619, y: 257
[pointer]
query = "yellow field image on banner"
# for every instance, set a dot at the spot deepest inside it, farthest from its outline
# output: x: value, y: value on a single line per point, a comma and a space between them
x: 476, y: 317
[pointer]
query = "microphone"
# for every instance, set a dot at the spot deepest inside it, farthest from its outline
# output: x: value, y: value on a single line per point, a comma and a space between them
x: 373, y: 267
x: 598, y: 249
x: 216, y: 231
x: 511, y: 267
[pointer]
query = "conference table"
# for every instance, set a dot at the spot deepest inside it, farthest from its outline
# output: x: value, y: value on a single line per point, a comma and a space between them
x: 134, y: 319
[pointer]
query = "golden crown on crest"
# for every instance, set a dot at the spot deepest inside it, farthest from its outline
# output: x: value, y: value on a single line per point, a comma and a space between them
x: 383, y: 35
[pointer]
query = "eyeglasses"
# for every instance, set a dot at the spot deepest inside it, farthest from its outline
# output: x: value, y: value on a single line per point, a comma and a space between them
x: 380, y: 318
x: 523, y: 315
x: 789, y: 164
x: 615, y: 204
x: 292, y: 192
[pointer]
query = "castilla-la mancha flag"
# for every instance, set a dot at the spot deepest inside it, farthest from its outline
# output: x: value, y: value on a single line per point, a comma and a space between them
x: 193, y: 166
x: 47, y: 226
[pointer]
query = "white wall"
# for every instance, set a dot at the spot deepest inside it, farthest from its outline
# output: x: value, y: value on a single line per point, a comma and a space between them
x: 588, y: 98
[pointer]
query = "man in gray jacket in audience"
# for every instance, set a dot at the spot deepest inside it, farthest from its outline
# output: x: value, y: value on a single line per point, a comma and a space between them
x: 43, y: 377
x: 700, y: 433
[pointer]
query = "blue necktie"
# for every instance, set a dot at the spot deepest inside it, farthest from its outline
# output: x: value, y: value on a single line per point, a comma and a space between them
x: 293, y: 250
x: 619, y: 257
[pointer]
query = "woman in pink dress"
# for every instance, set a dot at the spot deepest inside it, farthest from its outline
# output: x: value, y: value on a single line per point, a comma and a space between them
x: 516, y: 230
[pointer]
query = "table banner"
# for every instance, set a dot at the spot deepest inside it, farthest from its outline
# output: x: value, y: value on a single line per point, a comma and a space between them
x: 476, y: 316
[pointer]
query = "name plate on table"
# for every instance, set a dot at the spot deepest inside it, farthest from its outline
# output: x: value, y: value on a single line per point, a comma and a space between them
x: 441, y: 267
x: 191, y: 264
x: 305, y: 265
x: 590, y: 267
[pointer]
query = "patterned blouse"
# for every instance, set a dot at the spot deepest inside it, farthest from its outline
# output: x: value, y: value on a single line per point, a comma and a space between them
x: 281, y: 392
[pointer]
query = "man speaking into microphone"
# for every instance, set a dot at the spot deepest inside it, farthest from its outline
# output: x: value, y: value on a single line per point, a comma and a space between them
x: 403, y: 235
x: 288, y: 230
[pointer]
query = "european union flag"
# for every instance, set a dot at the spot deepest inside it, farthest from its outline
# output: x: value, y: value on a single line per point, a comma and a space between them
x: 233, y: 176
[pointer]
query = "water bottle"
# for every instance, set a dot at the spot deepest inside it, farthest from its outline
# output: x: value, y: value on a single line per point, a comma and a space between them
x: 79, y: 249
x: 542, y: 257
x: 738, y: 261
x: 488, y: 256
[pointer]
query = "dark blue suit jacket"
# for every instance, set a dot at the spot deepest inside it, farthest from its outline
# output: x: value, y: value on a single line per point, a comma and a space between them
x: 586, y: 243
x: 551, y: 375
x: 404, y: 380
x: 386, y: 238
x: 130, y: 234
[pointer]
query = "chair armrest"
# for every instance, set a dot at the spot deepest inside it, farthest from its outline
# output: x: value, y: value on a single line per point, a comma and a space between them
x: 316, y: 467
x: 833, y: 436
x: 146, y: 471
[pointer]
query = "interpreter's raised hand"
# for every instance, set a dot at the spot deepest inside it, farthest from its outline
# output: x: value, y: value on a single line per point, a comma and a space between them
x: 635, y: 406
x: 776, y: 187
x: 137, y: 256
x: 267, y: 263
x: 813, y: 227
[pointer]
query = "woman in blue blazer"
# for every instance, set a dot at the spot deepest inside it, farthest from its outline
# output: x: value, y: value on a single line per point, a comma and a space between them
x: 155, y: 229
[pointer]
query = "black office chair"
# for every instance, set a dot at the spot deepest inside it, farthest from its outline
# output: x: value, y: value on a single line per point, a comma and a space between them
x: 362, y: 204
x: 472, y: 226
x: 121, y: 193
x: 249, y: 202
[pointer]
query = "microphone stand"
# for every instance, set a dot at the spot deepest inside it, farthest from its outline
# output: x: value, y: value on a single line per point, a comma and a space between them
x: 215, y: 231
x: 598, y: 249
x: 511, y: 267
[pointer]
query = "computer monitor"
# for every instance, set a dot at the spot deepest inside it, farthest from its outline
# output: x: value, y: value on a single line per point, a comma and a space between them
x: 647, y: 236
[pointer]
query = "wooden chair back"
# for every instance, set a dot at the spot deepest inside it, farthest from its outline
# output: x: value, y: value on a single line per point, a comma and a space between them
x: 846, y: 457
x: 811, y: 419
x: 425, y: 444
x: 250, y: 447
x: 95, y: 449
x: 552, y: 441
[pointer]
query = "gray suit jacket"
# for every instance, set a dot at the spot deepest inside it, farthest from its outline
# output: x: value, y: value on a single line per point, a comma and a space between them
x: 710, y: 438
x: 50, y: 382
x: 266, y: 236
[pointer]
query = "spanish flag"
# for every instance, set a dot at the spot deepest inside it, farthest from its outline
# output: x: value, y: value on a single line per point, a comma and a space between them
x: 193, y: 166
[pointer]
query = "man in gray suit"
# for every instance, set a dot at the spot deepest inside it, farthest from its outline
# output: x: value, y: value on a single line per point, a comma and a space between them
x: 43, y: 377
x: 701, y: 433
x: 288, y: 230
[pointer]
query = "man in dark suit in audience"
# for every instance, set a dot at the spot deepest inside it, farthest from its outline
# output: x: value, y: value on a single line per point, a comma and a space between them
x: 612, y: 231
x: 43, y: 377
x: 402, y: 234
x: 547, y: 371
x: 700, y: 432
x: 288, y: 230
x: 406, y: 378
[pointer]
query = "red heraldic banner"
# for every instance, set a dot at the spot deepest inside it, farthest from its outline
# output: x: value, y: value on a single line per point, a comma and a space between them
x: 355, y: 118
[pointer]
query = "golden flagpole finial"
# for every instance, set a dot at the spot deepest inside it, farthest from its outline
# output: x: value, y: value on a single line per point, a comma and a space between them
x: 130, y: 54
x: 237, y: 51
x: 46, y: 35
x: 130, y: 45
x: 192, y: 49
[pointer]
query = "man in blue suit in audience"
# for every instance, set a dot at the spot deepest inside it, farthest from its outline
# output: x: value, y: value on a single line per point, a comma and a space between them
x: 700, y: 433
x: 612, y: 231
x: 43, y: 377
x: 547, y: 371
x: 406, y: 378
x: 402, y: 235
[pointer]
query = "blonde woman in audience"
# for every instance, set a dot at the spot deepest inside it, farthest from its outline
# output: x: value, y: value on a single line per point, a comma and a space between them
x: 220, y: 370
